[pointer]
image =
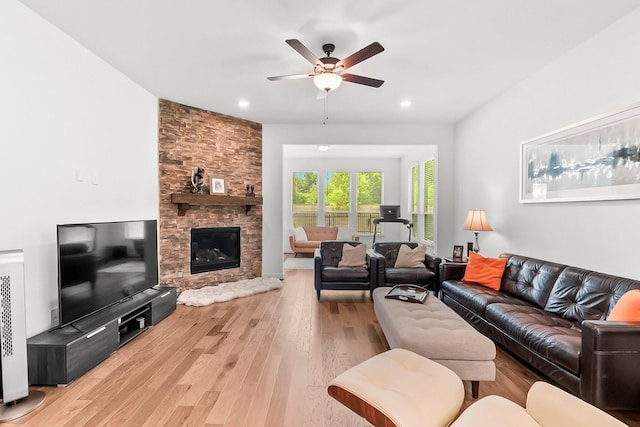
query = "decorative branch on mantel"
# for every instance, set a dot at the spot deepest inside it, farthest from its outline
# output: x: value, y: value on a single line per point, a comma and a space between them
x: 185, y: 200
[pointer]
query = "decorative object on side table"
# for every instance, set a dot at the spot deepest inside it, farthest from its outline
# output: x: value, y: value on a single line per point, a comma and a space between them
x: 217, y: 186
x: 197, y: 180
x: 250, y: 190
x: 457, y: 251
x: 476, y: 221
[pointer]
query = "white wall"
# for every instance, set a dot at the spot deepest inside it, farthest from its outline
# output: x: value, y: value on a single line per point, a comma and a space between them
x: 275, y: 136
x: 599, y: 76
x: 66, y: 113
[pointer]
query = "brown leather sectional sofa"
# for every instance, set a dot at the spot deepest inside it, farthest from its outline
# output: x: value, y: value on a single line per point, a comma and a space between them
x: 552, y: 316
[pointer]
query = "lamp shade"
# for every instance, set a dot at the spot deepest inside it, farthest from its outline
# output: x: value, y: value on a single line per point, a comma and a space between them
x: 476, y: 221
x: 327, y: 81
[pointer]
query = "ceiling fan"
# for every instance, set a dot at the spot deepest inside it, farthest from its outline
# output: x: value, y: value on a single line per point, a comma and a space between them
x: 328, y: 72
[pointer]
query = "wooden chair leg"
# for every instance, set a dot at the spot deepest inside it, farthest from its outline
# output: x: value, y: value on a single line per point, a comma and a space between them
x: 475, y: 387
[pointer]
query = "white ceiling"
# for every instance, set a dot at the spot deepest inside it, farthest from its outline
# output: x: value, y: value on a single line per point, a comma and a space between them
x: 447, y: 57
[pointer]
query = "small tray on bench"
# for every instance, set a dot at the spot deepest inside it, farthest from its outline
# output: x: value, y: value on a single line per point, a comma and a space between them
x: 409, y: 293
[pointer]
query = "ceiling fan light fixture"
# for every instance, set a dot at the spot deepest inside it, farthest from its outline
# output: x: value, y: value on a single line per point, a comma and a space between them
x: 327, y: 81
x: 405, y: 103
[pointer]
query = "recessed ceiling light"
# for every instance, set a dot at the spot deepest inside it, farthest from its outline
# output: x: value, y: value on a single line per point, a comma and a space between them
x: 406, y: 103
x: 243, y: 103
x: 323, y: 147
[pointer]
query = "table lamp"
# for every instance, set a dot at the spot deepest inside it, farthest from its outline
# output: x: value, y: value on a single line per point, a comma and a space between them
x: 476, y: 221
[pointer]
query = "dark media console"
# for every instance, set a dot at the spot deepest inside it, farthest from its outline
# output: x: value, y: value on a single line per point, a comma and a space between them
x: 60, y: 356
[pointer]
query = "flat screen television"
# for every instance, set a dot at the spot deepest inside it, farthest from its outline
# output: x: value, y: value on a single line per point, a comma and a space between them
x: 101, y: 264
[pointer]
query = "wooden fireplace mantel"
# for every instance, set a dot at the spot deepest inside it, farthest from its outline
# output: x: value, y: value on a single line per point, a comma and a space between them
x: 185, y: 200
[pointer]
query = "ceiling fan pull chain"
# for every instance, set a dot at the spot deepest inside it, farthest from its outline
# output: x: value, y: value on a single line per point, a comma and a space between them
x: 326, y: 109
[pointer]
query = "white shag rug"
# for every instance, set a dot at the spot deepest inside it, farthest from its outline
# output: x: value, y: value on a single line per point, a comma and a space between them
x: 228, y: 291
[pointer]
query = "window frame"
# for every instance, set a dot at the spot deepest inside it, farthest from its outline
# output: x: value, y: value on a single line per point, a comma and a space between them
x: 419, y: 215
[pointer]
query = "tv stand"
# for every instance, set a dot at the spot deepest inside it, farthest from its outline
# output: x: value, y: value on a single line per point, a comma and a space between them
x: 62, y: 355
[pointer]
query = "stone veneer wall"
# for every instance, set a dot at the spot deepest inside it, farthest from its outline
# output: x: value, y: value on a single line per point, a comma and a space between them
x: 226, y: 147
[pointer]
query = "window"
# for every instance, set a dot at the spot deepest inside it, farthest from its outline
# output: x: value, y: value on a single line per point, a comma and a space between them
x: 344, y: 199
x: 305, y: 198
x: 369, y: 185
x: 428, y: 210
x: 422, y: 201
x: 337, y: 188
x: 415, y: 200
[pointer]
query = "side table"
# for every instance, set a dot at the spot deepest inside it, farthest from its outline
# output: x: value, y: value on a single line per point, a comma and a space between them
x: 462, y: 260
x: 452, y: 268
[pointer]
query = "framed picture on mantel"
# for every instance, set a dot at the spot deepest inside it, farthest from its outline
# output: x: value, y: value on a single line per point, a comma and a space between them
x: 217, y: 186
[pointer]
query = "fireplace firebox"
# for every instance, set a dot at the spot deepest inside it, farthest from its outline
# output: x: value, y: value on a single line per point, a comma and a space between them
x: 214, y: 249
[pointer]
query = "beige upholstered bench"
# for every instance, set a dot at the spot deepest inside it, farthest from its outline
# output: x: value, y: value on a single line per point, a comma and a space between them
x: 435, y: 331
x: 400, y: 388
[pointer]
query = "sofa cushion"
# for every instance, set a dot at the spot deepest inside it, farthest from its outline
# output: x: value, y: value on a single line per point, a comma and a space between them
x: 417, y: 276
x: 389, y: 250
x: 353, y: 256
x: 476, y: 297
x: 530, y: 279
x: 580, y: 294
x: 484, y: 271
x: 307, y: 244
x: 410, y: 257
x: 299, y: 234
x: 321, y: 233
x: 550, y: 336
x: 345, y: 274
x: 331, y: 252
x: 627, y: 309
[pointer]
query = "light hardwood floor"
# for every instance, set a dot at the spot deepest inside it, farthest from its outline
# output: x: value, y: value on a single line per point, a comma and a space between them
x: 263, y: 360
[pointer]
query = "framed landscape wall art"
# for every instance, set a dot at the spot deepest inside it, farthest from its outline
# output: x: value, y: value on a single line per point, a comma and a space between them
x: 597, y: 159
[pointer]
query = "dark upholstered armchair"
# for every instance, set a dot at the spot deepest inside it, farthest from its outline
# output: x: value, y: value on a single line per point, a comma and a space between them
x: 389, y: 275
x: 328, y: 275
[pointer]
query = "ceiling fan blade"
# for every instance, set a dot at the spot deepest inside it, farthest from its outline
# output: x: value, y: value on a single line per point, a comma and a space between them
x: 290, y: 77
x: 304, y: 51
x: 364, y: 53
x: 367, y: 81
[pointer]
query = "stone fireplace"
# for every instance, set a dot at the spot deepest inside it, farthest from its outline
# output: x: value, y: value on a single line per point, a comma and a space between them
x: 227, y: 148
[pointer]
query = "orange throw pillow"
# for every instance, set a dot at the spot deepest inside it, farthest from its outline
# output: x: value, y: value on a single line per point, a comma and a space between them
x: 485, y: 271
x: 627, y: 309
